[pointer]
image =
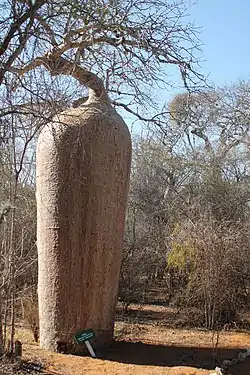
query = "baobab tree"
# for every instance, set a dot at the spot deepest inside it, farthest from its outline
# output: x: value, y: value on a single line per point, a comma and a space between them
x: 119, y: 50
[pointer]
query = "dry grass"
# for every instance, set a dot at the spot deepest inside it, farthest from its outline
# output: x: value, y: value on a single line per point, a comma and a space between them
x: 179, y: 337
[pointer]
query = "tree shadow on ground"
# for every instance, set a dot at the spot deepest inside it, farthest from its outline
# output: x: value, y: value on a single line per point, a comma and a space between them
x: 241, y: 369
x: 171, y: 317
x: 146, y: 315
x: 139, y: 353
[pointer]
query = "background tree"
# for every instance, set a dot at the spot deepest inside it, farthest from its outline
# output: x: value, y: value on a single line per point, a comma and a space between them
x: 194, y: 188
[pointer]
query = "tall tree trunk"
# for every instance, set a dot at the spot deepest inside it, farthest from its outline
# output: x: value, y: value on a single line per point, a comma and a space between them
x: 83, y: 165
x: 12, y: 265
x: 1, y: 325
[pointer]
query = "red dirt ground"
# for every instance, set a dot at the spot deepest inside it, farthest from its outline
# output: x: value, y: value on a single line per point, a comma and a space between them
x: 148, y: 349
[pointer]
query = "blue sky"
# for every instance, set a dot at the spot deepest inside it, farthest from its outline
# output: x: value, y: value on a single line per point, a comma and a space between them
x: 225, y: 35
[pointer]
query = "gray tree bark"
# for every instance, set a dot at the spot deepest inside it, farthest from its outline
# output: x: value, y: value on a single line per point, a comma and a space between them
x: 83, y: 165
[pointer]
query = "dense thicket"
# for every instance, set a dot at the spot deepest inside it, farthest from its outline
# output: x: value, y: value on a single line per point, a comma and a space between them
x: 188, y: 214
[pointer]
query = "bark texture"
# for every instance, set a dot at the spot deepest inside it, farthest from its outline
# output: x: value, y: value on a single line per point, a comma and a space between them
x: 83, y: 165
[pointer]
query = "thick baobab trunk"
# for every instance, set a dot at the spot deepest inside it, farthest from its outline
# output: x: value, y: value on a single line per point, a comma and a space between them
x: 83, y: 164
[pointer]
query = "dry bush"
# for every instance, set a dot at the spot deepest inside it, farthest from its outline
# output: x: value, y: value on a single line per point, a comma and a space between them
x: 30, y: 305
x: 214, y: 259
x: 190, y: 317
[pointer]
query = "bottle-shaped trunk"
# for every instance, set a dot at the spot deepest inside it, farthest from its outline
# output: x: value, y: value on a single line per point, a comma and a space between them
x: 83, y: 165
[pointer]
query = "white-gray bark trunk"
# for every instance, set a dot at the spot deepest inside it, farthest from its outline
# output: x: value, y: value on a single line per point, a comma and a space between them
x: 83, y: 165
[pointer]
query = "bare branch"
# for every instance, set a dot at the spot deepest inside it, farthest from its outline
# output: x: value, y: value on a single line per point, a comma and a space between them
x: 23, y: 37
x: 59, y: 65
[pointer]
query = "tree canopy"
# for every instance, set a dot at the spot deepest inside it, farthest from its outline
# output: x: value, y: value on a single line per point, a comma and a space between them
x: 124, y: 47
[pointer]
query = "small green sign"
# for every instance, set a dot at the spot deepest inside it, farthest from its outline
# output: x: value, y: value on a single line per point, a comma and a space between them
x: 82, y: 336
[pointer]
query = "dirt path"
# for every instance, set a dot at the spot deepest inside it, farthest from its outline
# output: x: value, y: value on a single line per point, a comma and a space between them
x: 72, y: 365
x: 143, y: 358
x: 148, y: 349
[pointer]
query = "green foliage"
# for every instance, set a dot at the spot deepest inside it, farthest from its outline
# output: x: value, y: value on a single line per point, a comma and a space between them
x: 181, y: 256
x: 182, y: 253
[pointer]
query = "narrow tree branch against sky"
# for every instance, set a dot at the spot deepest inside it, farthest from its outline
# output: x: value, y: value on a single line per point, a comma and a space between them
x: 131, y: 45
x: 18, y: 33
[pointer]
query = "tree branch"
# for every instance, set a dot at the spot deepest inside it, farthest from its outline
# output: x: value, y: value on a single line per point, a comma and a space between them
x: 59, y: 65
x: 23, y: 37
x: 153, y: 119
x: 199, y: 133
x: 17, y: 23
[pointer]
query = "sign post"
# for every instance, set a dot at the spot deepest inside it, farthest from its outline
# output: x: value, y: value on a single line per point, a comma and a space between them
x: 85, y: 336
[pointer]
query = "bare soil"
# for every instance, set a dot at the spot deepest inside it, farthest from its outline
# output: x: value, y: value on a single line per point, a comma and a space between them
x: 144, y: 344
